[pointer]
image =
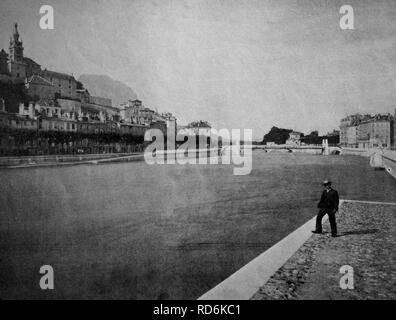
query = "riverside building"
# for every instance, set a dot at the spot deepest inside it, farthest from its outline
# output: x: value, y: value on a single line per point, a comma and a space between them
x: 376, y: 132
x: 52, y: 101
x: 368, y: 131
x: 349, y: 130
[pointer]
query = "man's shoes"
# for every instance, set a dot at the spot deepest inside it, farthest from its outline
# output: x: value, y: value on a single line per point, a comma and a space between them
x: 318, y: 232
x: 334, y: 235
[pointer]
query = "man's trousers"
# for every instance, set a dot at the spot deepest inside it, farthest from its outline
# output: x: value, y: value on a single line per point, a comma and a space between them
x: 332, y: 220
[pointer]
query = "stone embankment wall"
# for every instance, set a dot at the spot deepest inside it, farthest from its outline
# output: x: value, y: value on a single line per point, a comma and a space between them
x: 388, y: 157
x: 389, y: 161
x: 358, y: 152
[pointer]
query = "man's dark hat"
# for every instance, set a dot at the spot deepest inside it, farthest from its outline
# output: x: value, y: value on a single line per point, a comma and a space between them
x: 327, y: 183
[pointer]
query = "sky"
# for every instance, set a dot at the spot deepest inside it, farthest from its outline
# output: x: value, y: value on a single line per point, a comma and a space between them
x: 237, y: 64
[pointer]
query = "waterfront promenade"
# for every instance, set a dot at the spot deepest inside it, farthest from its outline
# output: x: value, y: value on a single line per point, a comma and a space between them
x: 65, y: 160
x: 87, y: 159
x: 366, y: 242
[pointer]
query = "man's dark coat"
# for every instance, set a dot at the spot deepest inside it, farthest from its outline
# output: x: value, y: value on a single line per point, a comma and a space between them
x: 329, y: 200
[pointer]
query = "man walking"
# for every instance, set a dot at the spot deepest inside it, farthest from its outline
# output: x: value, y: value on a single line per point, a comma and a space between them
x: 328, y: 204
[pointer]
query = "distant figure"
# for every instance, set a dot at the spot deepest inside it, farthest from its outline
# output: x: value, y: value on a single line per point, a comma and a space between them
x: 328, y: 204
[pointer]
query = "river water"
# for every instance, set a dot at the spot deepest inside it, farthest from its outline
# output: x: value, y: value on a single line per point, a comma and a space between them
x: 133, y: 231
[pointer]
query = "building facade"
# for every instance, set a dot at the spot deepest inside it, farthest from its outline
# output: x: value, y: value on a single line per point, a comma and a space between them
x: 64, y: 85
x: 376, y: 132
x: 132, y: 112
x: 294, y: 138
x: 17, y: 122
x: 137, y: 130
x: 349, y: 130
x: 39, y: 87
x: 351, y: 137
x: 57, y: 124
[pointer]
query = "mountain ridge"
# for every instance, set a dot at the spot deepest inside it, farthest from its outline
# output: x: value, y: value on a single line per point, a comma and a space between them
x: 106, y: 87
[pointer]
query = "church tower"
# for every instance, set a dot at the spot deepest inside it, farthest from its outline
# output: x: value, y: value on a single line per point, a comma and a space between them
x: 16, y: 61
x: 16, y: 47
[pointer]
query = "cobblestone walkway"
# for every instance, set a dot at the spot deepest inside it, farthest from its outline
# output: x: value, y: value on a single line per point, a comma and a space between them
x: 366, y: 242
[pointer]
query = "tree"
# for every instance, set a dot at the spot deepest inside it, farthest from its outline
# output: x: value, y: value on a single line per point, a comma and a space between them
x: 277, y: 135
x: 199, y: 124
x: 13, y: 94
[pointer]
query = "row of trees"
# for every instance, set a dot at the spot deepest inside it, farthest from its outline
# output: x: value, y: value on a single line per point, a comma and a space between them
x: 199, y: 124
x: 26, y: 135
x: 25, y: 142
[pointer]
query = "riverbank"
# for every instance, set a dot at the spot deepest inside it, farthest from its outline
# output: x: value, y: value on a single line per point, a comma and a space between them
x: 358, y: 151
x: 388, y: 157
x: 89, y: 159
x: 66, y: 160
x: 366, y: 243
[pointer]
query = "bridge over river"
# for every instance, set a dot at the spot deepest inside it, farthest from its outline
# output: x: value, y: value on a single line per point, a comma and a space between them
x: 316, y: 149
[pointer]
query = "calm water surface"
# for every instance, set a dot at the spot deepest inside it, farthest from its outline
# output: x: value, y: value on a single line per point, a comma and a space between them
x: 133, y: 231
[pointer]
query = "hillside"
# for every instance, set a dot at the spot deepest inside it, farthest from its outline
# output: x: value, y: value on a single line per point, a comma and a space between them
x: 104, y: 86
x: 277, y: 135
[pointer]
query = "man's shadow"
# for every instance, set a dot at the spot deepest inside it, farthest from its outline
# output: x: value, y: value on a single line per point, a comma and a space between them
x: 352, y: 232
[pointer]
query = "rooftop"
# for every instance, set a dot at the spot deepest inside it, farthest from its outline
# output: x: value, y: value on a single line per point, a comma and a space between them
x: 36, y: 79
x: 48, y: 73
x: 30, y: 61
